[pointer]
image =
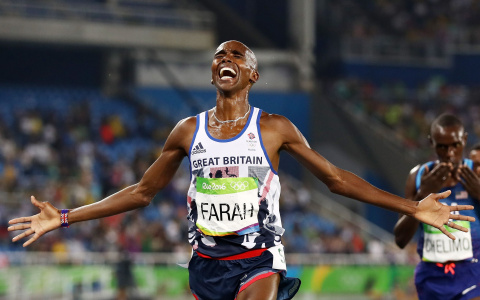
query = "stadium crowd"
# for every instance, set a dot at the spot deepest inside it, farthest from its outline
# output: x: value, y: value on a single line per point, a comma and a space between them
x: 408, y: 112
x: 413, y: 20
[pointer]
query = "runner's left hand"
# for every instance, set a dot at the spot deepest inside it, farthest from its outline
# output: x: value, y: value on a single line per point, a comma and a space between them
x: 431, y: 211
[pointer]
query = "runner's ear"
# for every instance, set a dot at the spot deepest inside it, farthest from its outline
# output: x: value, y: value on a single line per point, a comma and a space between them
x: 254, y: 77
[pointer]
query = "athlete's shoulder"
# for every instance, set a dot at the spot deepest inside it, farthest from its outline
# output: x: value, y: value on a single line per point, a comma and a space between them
x: 274, y: 119
x: 188, y: 121
x: 279, y: 130
x: 422, y: 167
x: 183, y: 131
x: 415, y: 169
x: 186, y: 125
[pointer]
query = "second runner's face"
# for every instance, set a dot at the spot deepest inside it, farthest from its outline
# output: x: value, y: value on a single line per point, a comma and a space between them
x: 449, y: 143
x: 474, y: 155
x: 233, y: 66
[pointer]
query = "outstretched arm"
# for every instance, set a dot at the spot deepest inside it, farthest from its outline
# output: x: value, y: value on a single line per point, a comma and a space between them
x: 406, y: 226
x: 345, y: 183
x: 158, y: 175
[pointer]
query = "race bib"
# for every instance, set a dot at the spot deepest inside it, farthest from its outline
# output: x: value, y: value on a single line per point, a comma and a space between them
x: 227, y: 206
x: 437, y: 247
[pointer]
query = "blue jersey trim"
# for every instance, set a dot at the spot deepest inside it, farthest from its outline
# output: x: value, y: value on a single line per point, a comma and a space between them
x: 233, y: 138
x: 261, y: 142
x: 418, y: 179
x: 197, y: 127
x: 468, y: 162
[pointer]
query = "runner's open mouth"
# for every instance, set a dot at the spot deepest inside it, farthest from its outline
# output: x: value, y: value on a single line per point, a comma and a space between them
x: 227, y: 73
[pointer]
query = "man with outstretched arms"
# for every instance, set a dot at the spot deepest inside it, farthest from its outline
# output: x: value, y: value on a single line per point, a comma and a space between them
x: 449, y: 269
x: 234, y: 223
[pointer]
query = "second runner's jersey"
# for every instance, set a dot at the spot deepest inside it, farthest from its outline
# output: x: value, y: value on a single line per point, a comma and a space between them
x: 233, y: 198
x: 433, y: 245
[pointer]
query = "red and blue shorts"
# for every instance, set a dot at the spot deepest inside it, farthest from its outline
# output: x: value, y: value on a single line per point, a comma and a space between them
x: 225, y: 278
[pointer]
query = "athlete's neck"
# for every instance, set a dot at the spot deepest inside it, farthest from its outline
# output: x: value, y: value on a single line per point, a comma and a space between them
x: 231, y: 108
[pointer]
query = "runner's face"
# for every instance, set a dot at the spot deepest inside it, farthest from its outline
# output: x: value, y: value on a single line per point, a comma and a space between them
x: 475, y: 156
x: 449, y: 143
x: 233, y: 66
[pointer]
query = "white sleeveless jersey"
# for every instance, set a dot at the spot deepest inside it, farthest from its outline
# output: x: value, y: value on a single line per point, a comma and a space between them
x: 233, y: 198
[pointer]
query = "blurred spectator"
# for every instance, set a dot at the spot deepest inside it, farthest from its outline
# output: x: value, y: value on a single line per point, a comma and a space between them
x: 107, y: 133
x: 124, y: 276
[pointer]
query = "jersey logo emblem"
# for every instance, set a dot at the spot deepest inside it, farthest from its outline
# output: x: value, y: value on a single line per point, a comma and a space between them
x: 198, y: 149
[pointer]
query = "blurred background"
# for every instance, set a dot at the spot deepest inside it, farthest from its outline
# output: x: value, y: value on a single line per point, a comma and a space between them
x: 89, y: 91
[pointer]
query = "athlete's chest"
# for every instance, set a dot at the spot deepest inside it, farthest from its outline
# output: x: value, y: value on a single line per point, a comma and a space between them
x: 225, y: 131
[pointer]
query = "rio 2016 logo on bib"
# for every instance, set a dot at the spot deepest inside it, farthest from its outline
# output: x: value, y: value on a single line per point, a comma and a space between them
x: 223, y: 186
x: 213, y: 186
